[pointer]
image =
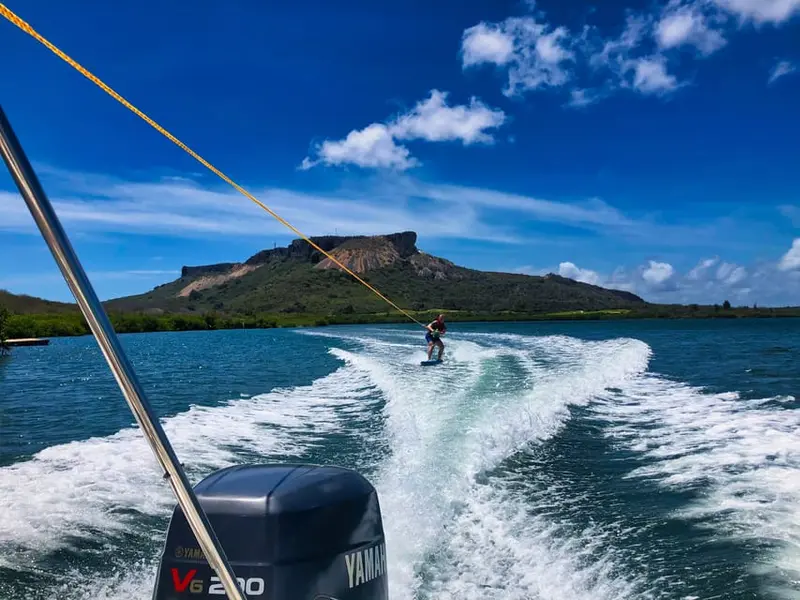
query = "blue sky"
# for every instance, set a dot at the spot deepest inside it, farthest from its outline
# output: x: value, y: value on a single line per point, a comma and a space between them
x: 648, y: 146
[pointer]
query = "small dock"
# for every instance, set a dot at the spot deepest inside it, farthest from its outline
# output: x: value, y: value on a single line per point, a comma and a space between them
x: 27, y: 342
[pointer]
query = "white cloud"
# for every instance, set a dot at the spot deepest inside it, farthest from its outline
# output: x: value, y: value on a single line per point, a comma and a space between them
x: 658, y: 274
x: 372, y: 147
x: 731, y: 274
x: 791, y: 260
x: 537, y: 57
x: 701, y: 270
x: 725, y: 274
x: 570, y: 270
x: 536, y: 54
x: 95, y: 205
x: 184, y: 208
x: 616, y: 51
x: 625, y: 63
x: 709, y: 282
x: 782, y: 68
x: 761, y: 11
x: 485, y: 43
x: 687, y: 25
x: 583, y: 97
x: 650, y: 75
x: 432, y: 120
x: 675, y: 29
x: 544, y: 56
x: 593, y: 214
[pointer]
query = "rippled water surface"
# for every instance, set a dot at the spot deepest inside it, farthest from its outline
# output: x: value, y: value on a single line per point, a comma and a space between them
x: 569, y: 461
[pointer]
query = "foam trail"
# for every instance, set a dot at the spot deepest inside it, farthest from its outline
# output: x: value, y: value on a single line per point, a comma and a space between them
x: 741, y: 456
x: 583, y: 370
x: 501, y: 551
x: 133, y: 582
x: 448, y: 427
x: 82, y: 489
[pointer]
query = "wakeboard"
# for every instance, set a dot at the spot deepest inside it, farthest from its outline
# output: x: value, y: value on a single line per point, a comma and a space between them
x: 428, y: 363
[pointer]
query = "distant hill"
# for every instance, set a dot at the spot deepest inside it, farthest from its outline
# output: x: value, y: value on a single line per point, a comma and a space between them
x: 22, y: 304
x: 298, y: 279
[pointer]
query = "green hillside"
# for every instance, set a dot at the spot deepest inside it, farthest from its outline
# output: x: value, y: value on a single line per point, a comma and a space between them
x: 297, y: 280
x: 22, y: 304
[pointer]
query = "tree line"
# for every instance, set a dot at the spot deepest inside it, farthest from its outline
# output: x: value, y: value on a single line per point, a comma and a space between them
x: 73, y: 324
x: 4, y: 314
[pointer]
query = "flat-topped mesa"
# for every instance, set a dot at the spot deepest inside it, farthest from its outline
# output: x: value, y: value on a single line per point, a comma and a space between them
x: 272, y: 281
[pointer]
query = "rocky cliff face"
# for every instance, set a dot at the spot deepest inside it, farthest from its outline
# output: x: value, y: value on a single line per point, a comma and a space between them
x: 433, y: 267
x: 362, y: 254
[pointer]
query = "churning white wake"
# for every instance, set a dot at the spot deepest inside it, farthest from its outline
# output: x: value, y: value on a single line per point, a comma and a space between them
x: 83, y: 489
x: 452, y: 534
x: 741, y: 456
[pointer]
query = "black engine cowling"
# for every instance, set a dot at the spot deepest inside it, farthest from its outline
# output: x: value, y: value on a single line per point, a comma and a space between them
x: 290, y: 532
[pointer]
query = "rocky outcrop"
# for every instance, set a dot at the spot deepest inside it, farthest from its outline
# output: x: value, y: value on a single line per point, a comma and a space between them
x: 404, y: 245
x: 433, y: 267
x: 210, y: 278
x: 367, y: 254
x: 298, y: 250
x: 362, y: 254
x: 207, y: 269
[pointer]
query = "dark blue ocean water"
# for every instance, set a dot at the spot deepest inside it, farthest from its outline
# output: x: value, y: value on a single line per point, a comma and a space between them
x: 642, y: 459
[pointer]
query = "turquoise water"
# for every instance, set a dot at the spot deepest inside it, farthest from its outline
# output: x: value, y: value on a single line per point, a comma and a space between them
x: 541, y: 461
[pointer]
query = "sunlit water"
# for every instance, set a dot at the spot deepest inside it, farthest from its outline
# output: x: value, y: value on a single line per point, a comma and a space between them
x: 541, y: 461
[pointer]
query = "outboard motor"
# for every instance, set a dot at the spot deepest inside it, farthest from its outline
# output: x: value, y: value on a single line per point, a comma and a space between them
x: 290, y: 532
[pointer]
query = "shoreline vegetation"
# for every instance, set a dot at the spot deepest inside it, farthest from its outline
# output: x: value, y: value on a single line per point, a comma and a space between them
x: 66, y: 324
x: 4, y: 317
